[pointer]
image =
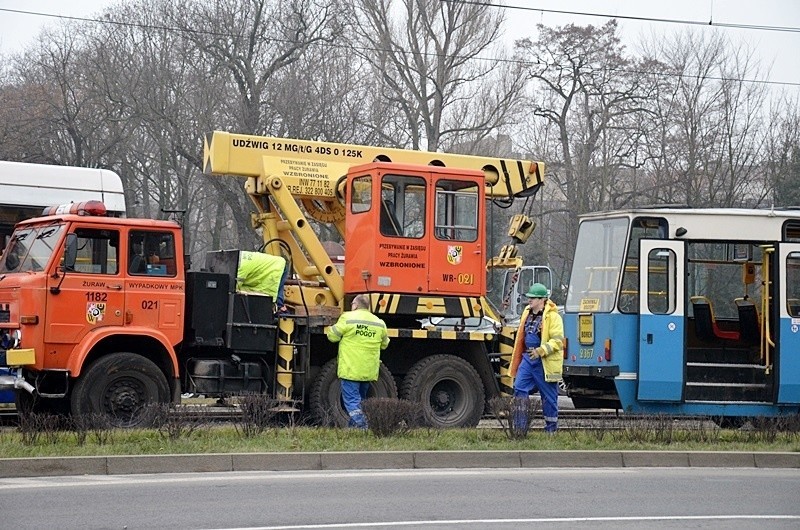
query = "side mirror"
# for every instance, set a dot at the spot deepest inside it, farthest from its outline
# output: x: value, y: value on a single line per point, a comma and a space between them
x: 70, y: 252
x: 70, y: 257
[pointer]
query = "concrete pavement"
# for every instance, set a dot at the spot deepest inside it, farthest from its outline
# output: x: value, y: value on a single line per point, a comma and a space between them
x: 198, y: 463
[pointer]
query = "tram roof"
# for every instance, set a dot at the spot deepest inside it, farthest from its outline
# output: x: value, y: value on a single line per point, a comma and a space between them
x: 673, y: 212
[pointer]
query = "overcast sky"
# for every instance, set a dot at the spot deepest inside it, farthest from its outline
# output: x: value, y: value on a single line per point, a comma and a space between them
x: 780, y: 49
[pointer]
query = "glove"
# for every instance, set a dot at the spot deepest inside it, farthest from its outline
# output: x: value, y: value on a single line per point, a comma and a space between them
x: 536, y: 352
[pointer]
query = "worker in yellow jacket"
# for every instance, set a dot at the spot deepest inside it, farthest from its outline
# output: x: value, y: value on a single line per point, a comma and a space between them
x: 262, y: 273
x: 538, y: 359
x: 361, y: 337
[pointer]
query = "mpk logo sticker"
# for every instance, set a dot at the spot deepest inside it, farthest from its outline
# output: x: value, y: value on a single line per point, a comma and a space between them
x: 95, y: 312
x: 454, y: 253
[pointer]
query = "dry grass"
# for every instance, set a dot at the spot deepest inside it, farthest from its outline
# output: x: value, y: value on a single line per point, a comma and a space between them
x: 392, y: 428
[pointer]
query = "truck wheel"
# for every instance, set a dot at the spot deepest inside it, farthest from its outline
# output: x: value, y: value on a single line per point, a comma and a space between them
x: 449, y: 390
x: 325, y: 399
x: 119, y: 385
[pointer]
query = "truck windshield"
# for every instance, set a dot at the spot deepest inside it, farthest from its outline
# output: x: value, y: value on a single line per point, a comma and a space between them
x: 597, y: 265
x: 30, y: 248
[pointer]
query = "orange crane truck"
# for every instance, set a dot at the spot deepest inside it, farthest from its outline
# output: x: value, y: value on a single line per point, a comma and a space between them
x: 100, y: 315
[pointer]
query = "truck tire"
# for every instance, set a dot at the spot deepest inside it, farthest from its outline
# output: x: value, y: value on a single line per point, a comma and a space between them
x: 325, y: 399
x: 449, y: 390
x: 119, y: 385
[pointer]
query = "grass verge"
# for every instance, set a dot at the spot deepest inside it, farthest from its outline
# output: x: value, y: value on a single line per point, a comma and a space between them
x: 227, y: 439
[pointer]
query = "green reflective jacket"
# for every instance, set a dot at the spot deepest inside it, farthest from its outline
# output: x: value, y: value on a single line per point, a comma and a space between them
x: 361, y: 337
x: 259, y: 272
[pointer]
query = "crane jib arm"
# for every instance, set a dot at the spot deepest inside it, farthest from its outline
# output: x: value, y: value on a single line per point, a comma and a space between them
x: 316, y: 166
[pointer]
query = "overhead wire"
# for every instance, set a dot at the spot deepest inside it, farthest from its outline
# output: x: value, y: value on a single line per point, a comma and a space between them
x: 495, y: 60
x: 710, y: 22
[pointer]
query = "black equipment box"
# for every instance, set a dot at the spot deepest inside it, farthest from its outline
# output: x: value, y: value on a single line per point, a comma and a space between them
x: 207, y: 295
x: 251, y: 326
x: 214, y: 376
x: 220, y: 316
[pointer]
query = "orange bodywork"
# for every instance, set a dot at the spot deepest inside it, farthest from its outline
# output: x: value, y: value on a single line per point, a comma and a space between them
x: 77, y: 310
x: 413, y: 229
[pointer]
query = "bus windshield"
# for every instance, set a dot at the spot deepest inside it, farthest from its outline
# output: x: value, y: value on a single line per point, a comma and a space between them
x: 30, y: 248
x: 597, y: 265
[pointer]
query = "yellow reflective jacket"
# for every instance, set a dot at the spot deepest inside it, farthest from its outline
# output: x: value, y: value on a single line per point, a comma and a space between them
x: 552, y: 349
x: 259, y: 272
x: 361, y: 337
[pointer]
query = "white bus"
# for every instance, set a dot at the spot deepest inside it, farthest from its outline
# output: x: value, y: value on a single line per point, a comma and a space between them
x: 26, y: 189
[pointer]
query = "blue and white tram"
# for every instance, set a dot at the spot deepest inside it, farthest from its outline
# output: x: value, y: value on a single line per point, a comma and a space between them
x: 686, y: 312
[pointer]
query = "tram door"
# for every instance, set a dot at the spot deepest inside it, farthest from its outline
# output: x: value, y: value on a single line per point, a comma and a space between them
x: 662, y: 320
x: 788, y: 344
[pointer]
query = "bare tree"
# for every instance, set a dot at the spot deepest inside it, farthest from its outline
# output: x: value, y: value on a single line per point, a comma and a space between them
x: 248, y: 42
x: 712, y: 123
x: 782, y: 169
x: 68, y: 120
x: 587, y: 105
x: 592, y: 93
x: 253, y: 40
x: 436, y: 68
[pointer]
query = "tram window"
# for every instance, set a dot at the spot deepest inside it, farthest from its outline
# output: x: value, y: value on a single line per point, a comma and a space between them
x: 661, y: 281
x: 793, y: 284
x: 641, y: 228
x: 597, y: 265
x: 741, y: 252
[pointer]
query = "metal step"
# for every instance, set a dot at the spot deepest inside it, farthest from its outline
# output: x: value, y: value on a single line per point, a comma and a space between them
x: 727, y: 392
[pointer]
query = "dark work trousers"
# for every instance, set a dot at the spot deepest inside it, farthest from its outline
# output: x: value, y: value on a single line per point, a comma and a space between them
x: 353, y: 392
x: 530, y: 378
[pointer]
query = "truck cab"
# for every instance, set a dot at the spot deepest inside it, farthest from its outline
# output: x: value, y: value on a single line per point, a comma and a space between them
x: 77, y: 285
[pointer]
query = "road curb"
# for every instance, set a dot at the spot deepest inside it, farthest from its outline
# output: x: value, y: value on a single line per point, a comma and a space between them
x: 320, y: 461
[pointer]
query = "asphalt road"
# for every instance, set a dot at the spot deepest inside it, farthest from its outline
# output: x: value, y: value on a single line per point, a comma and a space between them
x: 445, y: 498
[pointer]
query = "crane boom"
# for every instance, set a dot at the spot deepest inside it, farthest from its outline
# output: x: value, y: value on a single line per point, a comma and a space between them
x: 311, y: 168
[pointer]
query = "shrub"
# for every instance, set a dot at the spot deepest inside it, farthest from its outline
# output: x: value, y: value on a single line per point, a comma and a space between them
x: 257, y: 412
x: 388, y: 416
x: 514, y: 415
